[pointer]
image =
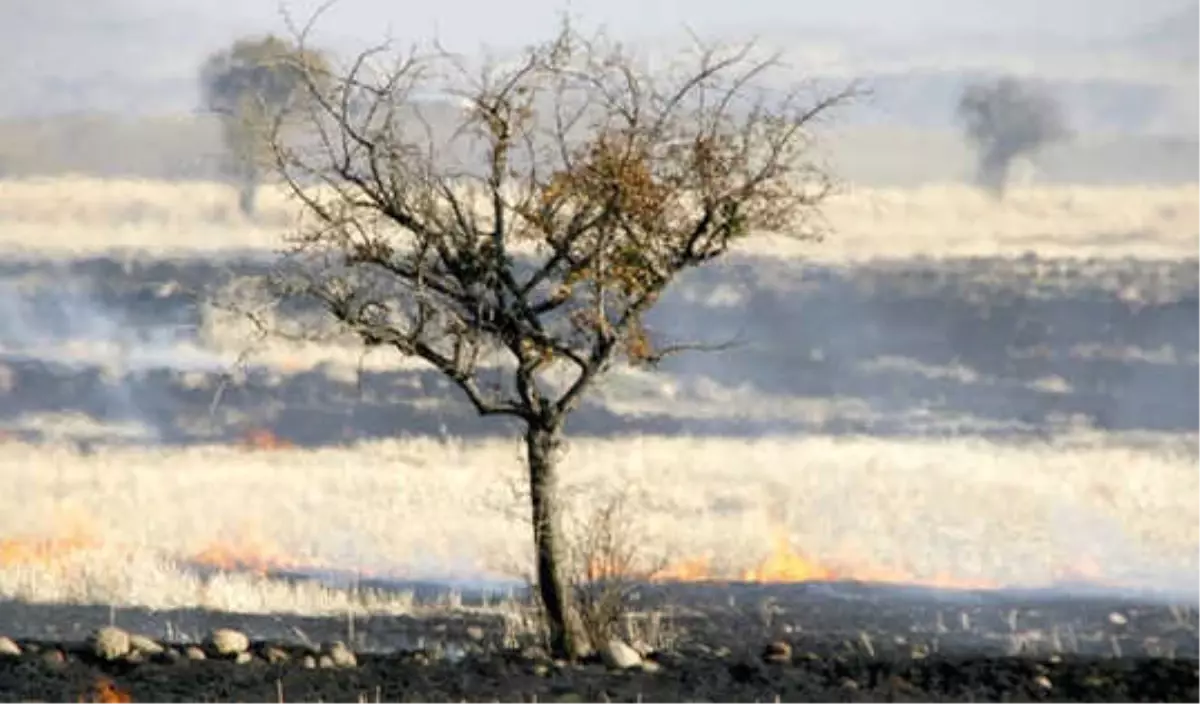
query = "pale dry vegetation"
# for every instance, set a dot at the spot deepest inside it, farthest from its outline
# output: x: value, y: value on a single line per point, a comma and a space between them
x: 121, y: 525
x: 79, y: 215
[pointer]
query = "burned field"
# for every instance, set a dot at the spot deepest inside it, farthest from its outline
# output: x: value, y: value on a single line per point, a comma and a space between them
x: 1009, y: 353
x: 815, y: 642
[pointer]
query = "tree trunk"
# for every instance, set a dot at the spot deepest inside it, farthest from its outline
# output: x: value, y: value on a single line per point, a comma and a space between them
x: 541, y: 442
x: 993, y: 172
x: 248, y: 193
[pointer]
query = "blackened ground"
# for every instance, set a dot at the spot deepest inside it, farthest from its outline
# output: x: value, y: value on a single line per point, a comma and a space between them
x: 509, y: 677
x: 849, y: 642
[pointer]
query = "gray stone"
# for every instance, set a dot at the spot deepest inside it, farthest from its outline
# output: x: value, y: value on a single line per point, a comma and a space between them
x: 325, y: 662
x: 9, y: 648
x: 777, y: 652
x: 227, y: 642
x: 53, y: 657
x: 275, y: 656
x: 341, y: 655
x: 145, y: 645
x: 619, y: 655
x: 243, y: 658
x: 309, y: 662
x: 110, y: 643
x: 193, y: 652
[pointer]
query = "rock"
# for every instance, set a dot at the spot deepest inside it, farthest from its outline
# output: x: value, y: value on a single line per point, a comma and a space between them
x: 777, y: 652
x: 1043, y: 682
x: 275, y: 656
x: 308, y: 662
x: 171, y: 656
x: 540, y: 669
x: 227, y: 642
x: 1117, y: 618
x: 53, y: 657
x: 341, y: 655
x: 243, y: 658
x: 618, y: 655
x: 475, y: 633
x: 109, y: 643
x: 193, y: 652
x: 848, y: 684
x: 651, y: 667
x: 9, y: 648
x: 325, y: 662
x: 145, y: 645
x: 135, y: 657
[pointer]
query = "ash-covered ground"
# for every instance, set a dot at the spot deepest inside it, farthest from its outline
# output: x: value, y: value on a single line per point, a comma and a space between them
x: 995, y: 348
x: 840, y: 642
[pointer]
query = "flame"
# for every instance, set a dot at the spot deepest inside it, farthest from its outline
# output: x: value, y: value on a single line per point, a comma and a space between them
x: 104, y: 690
x: 784, y: 565
x: 43, y: 551
x: 247, y: 551
x: 264, y: 439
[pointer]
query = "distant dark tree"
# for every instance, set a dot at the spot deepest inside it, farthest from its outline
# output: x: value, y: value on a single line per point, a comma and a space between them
x: 1005, y: 119
x: 250, y: 86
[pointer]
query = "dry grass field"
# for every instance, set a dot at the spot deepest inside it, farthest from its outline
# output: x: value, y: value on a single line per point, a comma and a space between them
x: 126, y: 526
x: 75, y: 215
x: 131, y: 525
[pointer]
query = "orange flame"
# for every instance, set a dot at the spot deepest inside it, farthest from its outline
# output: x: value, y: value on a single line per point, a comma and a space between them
x: 29, y: 551
x: 784, y: 565
x: 247, y: 552
x: 104, y: 690
x: 264, y: 439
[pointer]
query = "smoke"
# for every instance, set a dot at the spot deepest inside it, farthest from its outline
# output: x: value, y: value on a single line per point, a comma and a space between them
x: 1006, y: 119
x: 67, y: 323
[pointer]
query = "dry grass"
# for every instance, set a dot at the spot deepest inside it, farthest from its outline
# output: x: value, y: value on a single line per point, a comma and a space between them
x: 117, y: 526
x: 71, y: 215
x: 120, y: 525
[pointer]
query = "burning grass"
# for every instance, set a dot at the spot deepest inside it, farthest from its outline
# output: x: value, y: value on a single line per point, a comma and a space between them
x: 76, y: 214
x: 962, y: 513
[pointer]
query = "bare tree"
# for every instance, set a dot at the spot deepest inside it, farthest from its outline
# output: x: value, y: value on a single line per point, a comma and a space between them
x: 249, y: 86
x: 1005, y: 119
x: 518, y: 248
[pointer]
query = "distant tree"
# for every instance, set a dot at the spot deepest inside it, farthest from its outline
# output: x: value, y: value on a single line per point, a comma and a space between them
x: 518, y: 250
x: 1006, y: 119
x: 251, y: 85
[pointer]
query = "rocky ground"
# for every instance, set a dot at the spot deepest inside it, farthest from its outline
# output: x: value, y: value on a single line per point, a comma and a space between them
x: 835, y: 642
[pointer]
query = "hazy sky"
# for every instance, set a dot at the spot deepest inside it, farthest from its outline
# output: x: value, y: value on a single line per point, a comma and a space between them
x: 500, y: 23
x: 141, y: 55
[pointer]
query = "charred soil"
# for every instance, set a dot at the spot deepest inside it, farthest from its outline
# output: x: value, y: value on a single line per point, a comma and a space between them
x: 839, y: 642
